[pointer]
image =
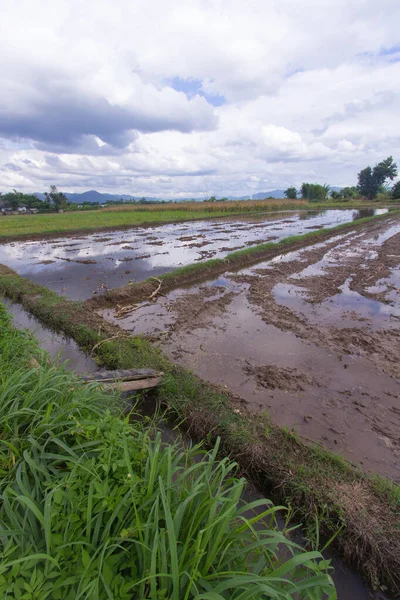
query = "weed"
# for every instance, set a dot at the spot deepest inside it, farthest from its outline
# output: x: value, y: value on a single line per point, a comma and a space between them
x: 94, y: 506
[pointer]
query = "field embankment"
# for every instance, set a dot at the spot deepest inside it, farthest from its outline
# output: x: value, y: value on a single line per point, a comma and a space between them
x: 42, y: 225
x: 316, y: 483
x: 95, y: 506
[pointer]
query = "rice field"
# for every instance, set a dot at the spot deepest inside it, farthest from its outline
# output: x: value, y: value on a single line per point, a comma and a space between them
x: 131, y: 215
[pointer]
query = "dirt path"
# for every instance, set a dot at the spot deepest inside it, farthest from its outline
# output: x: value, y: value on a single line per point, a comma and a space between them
x: 312, y: 337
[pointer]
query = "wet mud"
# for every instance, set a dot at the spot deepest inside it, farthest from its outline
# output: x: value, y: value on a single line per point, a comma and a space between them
x: 80, y: 266
x: 312, y: 337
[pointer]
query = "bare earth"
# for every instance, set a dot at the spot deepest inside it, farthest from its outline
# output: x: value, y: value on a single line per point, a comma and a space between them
x: 312, y: 337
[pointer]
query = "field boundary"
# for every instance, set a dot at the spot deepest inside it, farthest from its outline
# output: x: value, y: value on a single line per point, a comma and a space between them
x: 200, y: 271
x: 315, y: 483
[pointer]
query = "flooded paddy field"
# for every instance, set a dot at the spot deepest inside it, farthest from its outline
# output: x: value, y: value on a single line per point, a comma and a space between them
x: 312, y: 337
x: 80, y: 266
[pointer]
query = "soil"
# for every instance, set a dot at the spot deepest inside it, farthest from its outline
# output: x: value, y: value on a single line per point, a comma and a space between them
x: 79, y: 261
x: 272, y: 377
x: 298, y: 336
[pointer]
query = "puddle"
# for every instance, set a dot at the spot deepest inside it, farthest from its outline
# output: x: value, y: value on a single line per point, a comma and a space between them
x: 80, y: 266
x: 333, y: 310
x: 60, y: 348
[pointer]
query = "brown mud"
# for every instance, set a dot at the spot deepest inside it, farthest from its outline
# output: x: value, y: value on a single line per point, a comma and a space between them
x: 296, y: 337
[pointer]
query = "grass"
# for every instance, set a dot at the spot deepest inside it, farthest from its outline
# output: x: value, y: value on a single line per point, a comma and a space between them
x: 128, y: 216
x: 94, y: 506
x: 308, y: 478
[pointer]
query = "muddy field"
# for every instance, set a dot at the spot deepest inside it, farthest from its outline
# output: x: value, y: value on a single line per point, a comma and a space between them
x: 312, y: 337
x: 86, y: 265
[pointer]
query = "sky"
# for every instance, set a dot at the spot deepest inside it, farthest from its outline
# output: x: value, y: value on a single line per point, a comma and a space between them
x: 195, y: 98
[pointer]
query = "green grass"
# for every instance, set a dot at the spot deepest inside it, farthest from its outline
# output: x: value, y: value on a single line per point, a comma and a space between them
x: 94, y: 506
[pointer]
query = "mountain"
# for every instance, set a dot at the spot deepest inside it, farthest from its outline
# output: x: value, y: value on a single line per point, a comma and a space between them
x: 95, y: 196
x: 273, y: 193
x: 90, y: 196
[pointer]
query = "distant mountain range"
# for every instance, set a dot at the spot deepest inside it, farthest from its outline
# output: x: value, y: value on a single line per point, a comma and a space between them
x: 94, y: 196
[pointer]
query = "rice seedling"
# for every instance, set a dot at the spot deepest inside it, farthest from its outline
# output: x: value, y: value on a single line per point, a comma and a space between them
x: 95, y: 506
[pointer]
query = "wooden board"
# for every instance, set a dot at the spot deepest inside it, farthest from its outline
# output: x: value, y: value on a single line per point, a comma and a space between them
x: 122, y: 375
x: 132, y: 386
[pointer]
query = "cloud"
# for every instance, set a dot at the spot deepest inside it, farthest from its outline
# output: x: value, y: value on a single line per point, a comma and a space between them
x: 197, y: 97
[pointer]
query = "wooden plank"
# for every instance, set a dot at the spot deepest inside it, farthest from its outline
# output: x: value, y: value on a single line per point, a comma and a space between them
x: 133, y: 386
x: 121, y: 375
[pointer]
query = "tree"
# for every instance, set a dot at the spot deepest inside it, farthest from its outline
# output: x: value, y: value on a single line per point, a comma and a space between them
x: 396, y: 191
x: 291, y: 193
x: 371, y: 180
x: 345, y: 194
x: 350, y: 192
x: 15, y: 199
x: 313, y: 192
x: 57, y: 198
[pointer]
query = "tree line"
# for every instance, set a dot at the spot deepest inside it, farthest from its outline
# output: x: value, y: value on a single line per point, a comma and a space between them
x: 371, y: 183
x: 54, y: 201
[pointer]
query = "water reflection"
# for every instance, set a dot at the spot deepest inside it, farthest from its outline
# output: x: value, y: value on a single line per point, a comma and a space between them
x: 82, y: 265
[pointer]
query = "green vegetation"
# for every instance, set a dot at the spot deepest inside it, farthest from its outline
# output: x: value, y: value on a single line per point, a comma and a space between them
x: 56, y: 198
x: 396, y: 191
x: 16, y: 199
x: 94, y: 506
x: 370, y: 181
x: 291, y: 193
x: 313, y: 192
x: 346, y: 194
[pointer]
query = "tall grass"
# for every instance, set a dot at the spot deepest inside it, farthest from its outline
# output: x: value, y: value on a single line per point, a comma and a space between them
x: 224, y: 206
x: 95, y: 506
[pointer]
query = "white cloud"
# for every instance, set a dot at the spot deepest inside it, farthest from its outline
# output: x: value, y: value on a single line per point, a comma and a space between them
x: 311, y: 89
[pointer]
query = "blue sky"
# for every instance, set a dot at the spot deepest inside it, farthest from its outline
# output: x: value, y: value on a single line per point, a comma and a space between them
x: 194, y: 87
x: 196, y: 98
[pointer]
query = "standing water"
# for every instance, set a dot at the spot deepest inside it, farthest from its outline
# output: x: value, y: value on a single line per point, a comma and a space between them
x: 80, y: 266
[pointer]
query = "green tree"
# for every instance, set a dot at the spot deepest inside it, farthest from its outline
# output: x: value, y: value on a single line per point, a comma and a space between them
x: 314, y: 192
x: 291, y: 193
x: 396, y: 191
x: 371, y: 180
x: 350, y: 192
x: 15, y: 199
x: 57, y: 198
